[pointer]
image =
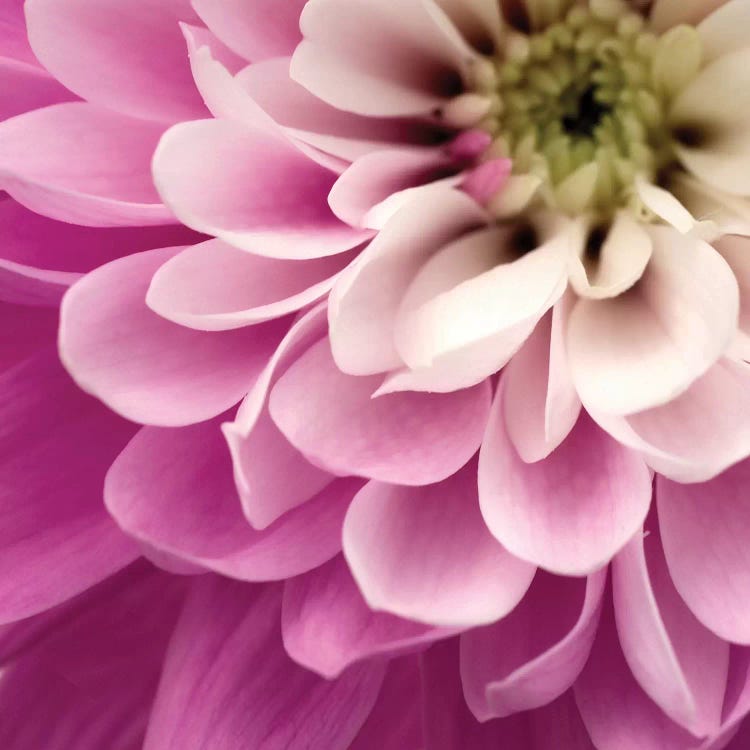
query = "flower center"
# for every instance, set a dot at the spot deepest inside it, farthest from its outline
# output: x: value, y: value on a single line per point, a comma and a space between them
x: 583, y: 105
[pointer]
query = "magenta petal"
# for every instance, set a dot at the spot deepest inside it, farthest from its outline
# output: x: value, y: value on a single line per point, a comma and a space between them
x: 405, y: 438
x: 616, y: 712
x: 328, y: 626
x: 88, y: 677
x: 24, y: 332
x: 144, y: 367
x: 252, y: 188
x: 705, y: 528
x: 449, y: 725
x: 56, y: 538
x: 229, y: 685
x: 533, y: 655
x: 83, y: 164
x: 679, y: 663
x: 33, y: 240
x: 255, y: 30
x: 129, y: 57
x: 571, y: 512
x: 395, y: 723
x: 424, y: 553
x: 173, y: 489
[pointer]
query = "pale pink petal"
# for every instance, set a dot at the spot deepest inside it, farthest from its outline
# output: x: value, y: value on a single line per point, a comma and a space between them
x: 408, y: 438
x: 213, y: 286
x: 251, y: 188
x: 533, y: 655
x: 129, y: 57
x: 618, y: 263
x: 255, y: 30
x: 540, y: 403
x: 56, y: 445
x: 479, y: 21
x: 712, y: 110
x: 327, y: 625
x: 88, y: 679
x: 376, y: 58
x: 365, y: 299
x: 173, y: 489
x: 736, y: 252
x: 395, y: 722
x: 704, y: 529
x: 425, y: 554
x: 33, y: 240
x: 681, y: 665
x: 723, y: 25
x: 144, y: 367
x: 318, y: 124
x: 79, y: 163
x: 569, y: 513
x: 700, y: 433
x: 617, y: 713
x: 646, y: 346
x: 228, y: 684
x: 271, y: 475
x: 666, y: 14
x: 473, y: 305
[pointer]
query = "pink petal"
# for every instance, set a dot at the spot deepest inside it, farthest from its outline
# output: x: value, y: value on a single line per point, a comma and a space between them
x: 425, y: 554
x: 213, y: 286
x: 14, y: 43
x: 379, y: 175
x: 271, y: 475
x: 395, y: 722
x: 700, y: 433
x: 616, y: 712
x: 57, y: 539
x: 318, y: 124
x: 78, y: 163
x: 22, y: 285
x: 251, y: 188
x: 365, y: 299
x: 681, y: 665
x: 257, y: 30
x: 26, y: 86
x: 540, y: 403
x: 144, y: 367
x: 327, y: 625
x: 173, y: 489
x: 88, y: 681
x: 32, y: 240
x: 704, y: 529
x: 228, y: 683
x: 569, y: 513
x: 645, y: 347
x: 375, y: 58
x: 130, y: 57
x: 668, y: 13
x: 408, y: 438
x: 532, y: 656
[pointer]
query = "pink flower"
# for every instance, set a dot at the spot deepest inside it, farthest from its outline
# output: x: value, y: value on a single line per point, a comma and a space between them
x: 485, y: 484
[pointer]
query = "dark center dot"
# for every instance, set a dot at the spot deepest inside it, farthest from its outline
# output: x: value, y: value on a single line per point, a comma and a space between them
x: 524, y: 239
x: 587, y: 115
x: 691, y: 136
x: 595, y: 242
x: 448, y: 83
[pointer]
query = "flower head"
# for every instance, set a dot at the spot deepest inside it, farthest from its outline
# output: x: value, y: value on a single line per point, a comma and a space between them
x: 436, y: 419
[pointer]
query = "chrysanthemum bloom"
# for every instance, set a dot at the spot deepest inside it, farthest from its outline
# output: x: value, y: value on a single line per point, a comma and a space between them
x: 568, y: 271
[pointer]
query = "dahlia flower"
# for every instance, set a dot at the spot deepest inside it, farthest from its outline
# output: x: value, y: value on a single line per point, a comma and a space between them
x: 400, y: 395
